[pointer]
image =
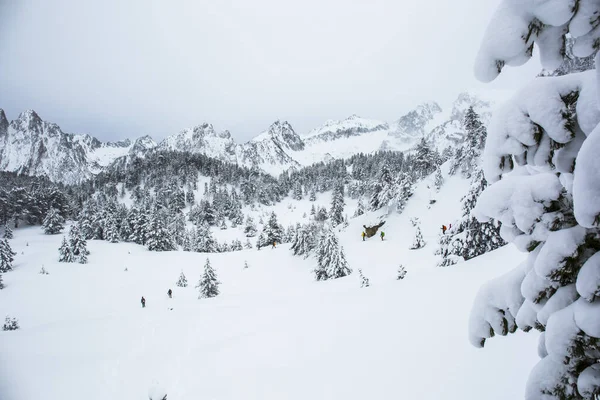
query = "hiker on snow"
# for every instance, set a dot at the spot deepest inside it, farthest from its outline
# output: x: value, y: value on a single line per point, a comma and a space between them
x: 170, y: 293
x: 274, y: 244
x: 382, y: 235
x: 143, y: 302
x: 363, y: 235
x: 444, y: 229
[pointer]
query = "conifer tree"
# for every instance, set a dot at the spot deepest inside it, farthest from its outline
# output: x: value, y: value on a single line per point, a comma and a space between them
x: 401, y: 272
x: 65, y: 252
x: 313, y: 194
x: 250, y: 228
x: 360, y: 208
x: 53, y: 222
x: 78, y: 244
x: 272, y: 231
x: 208, y: 285
x: 248, y: 245
x: 6, y: 256
x: 439, y: 179
x: 364, y: 281
x: 336, y: 213
x: 1, y: 283
x: 182, y: 281
x: 111, y: 232
x: 339, y: 267
x: 297, y: 192
x: 158, y: 238
x: 8, y: 233
x: 418, y: 242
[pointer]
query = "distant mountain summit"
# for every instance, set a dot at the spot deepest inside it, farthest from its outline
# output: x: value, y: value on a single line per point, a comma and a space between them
x: 32, y: 146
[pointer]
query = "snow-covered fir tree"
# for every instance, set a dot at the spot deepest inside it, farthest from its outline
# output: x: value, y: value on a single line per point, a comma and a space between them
x: 78, y: 244
x: 1, y: 282
x: 418, y: 241
x: 426, y: 159
x: 305, y: 239
x: 383, y: 188
x: 250, y: 228
x: 53, y: 222
x: 182, y: 281
x: 339, y: 268
x: 158, y: 237
x: 208, y: 285
x: 549, y: 133
x: 313, y: 194
x: 8, y: 233
x: 364, y: 281
x: 336, y: 214
x: 7, y: 256
x: 65, y: 252
x: 204, y: 242
x: 468, y: 153
x: 439, y: 179
x: 111, y: 232
x: 248, y: 245
x: 360, y: 208
x: 10, y: 324
x: 272, y: 232
x: 470, y: 238
x: 297, y: 192
x: 401, y: 272
x: 403, y: 191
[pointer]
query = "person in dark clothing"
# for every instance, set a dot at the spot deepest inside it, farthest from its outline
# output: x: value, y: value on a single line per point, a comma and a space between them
x: 143, y: 302
x: 444, y: 229
x: 363, y: 235
x: 170, y: 293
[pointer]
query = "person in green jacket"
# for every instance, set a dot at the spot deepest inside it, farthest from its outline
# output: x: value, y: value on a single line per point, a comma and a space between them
x: 382, y: 235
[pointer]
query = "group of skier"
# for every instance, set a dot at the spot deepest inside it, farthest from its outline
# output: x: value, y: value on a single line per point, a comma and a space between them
x: 364, y: 235
x: 143, y: 301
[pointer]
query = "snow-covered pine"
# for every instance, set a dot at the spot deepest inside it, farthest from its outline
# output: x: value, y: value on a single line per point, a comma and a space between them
x: 549, y: 133
x: 338, y: 268
x: 418, y: 241
x: 272, y: 232
x: 426, y: 159
x: 305, y: 239
x: 182, y: 281
x: 65, y: 252
x: 336, y: 214
x: 111, y: 231
x: 313, y: 194
x: 223, y: 225
x: 208, y: 285
x: 248, y: 245
x: 1, y: 282
x: 6, y: 256
x: 468, y: 153
x: 250, y: 228
x: 78, y: 245
x: 157, y: 234
x: 360, y: 208
x: 382, y: 189
x: 364, y: 281
x: 53, y: 222
x: 8, y: 233
x: 401, y: 272
x: 446, y: 249
x: 327, y: 254
x: 439, y: 179
x: 472, y: 238
x: 10, y: 324
x: 404, y: 190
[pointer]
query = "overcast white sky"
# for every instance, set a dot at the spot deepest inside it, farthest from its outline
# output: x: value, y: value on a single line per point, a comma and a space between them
x: 119, y: 69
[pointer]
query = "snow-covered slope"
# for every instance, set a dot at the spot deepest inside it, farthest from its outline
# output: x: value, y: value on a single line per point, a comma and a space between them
x: 272, y: 333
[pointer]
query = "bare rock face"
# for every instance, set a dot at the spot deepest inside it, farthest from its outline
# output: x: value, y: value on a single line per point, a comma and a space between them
x: 370, y: 231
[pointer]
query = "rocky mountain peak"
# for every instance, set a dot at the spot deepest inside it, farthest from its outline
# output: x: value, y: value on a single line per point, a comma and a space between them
x: 3, y: 123
x: 283, y: 134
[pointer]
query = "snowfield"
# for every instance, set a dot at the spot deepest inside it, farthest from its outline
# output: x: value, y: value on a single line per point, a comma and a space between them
x: 272, y: 333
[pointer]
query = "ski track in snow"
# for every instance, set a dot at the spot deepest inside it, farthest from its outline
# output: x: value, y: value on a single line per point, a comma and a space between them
x: 273, y: 332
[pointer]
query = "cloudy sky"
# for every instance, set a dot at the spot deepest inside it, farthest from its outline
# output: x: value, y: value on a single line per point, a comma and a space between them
x: 119, y: 69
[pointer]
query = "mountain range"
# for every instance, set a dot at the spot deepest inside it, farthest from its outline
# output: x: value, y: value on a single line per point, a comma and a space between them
x: 32, y: 146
